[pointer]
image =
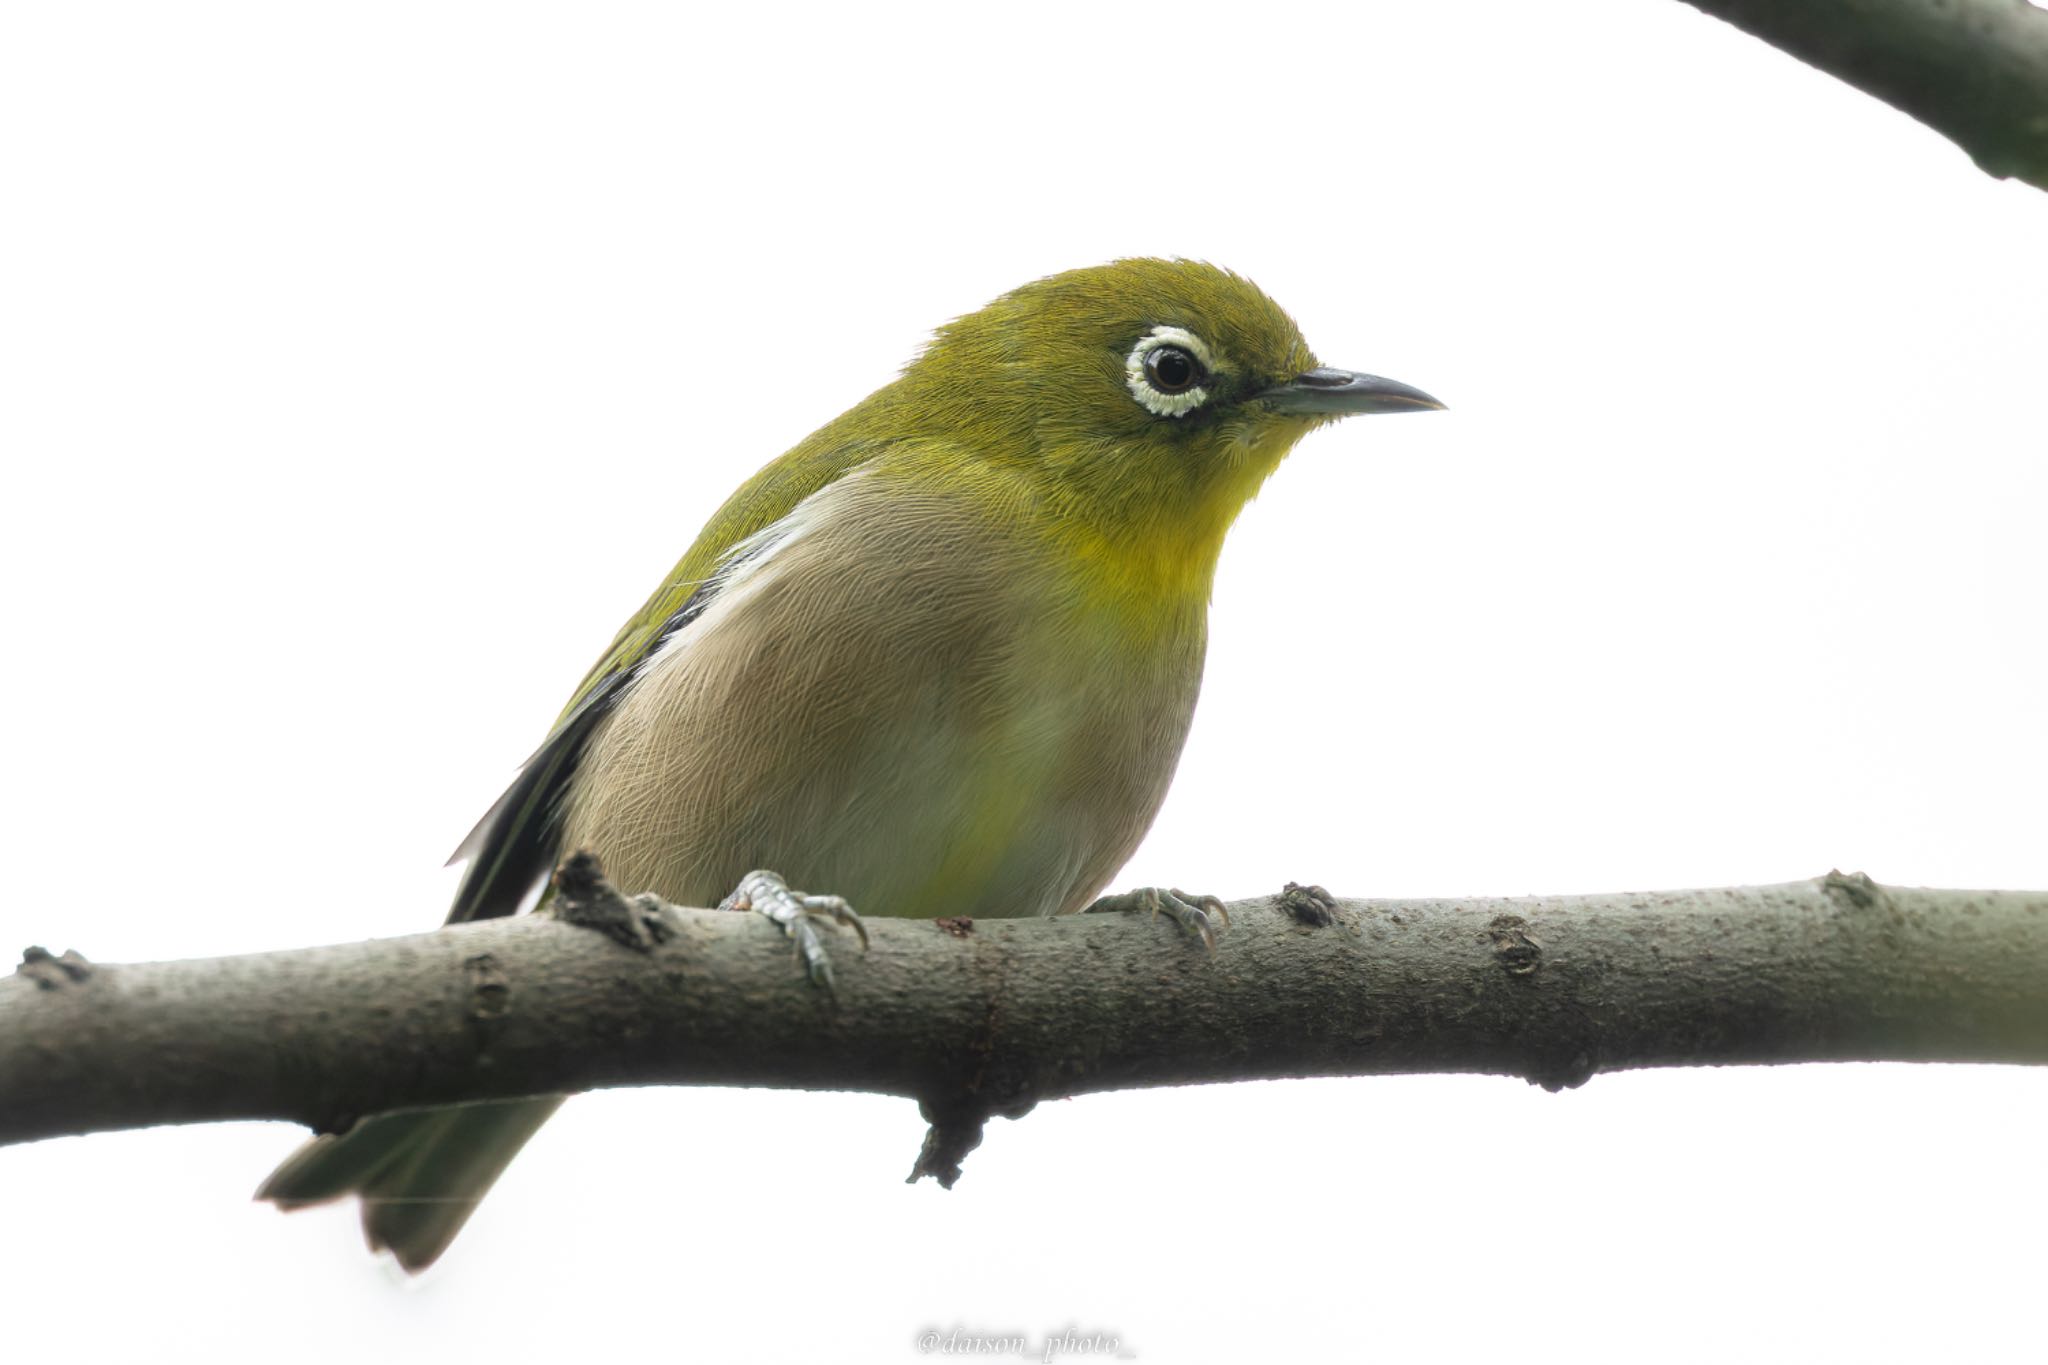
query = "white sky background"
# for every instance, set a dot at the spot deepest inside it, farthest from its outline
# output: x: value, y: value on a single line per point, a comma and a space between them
x: 365, y: 367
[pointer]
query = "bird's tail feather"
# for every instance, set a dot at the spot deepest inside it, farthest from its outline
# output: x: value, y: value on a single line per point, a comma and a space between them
x: 419, y: 1175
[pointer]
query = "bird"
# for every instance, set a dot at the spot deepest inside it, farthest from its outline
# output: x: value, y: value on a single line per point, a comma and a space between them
x: 939, y: 658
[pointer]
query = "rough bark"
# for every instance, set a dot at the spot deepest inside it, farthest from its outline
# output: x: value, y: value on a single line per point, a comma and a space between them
x: 991, y: 1016
x: 1975, y: 71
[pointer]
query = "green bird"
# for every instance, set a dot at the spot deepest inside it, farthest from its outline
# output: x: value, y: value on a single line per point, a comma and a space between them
x: 938, y: 659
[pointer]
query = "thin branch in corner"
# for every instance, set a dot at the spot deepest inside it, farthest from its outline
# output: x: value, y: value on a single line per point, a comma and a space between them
x: 1975, y: 71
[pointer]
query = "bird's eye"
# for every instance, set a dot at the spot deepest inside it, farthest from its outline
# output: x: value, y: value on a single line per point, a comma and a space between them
x: 1168, y: 371
x: 1171, y: 369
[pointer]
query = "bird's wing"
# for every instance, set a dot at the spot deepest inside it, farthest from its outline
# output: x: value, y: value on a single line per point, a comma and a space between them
x: 516, y: 844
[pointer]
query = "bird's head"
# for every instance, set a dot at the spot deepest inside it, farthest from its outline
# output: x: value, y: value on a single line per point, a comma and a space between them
x: 1142, y: 391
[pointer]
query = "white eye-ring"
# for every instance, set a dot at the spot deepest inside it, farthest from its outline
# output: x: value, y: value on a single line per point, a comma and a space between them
x: 1167, y: 371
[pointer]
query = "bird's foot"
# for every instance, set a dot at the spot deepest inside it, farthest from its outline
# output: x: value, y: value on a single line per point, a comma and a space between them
x: 1199, y: 915
x: 585, y: 899
x: 797, y: 912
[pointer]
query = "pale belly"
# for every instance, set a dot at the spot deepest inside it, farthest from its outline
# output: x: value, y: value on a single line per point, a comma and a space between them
x: 925, y: 741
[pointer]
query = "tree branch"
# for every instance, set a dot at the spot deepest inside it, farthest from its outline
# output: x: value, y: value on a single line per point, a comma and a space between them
x: 989, y: 1017
x: 1975, y: 71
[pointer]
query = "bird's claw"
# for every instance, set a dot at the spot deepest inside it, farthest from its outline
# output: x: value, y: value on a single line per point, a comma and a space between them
x: 1199, y: 915
x: 766, y: 893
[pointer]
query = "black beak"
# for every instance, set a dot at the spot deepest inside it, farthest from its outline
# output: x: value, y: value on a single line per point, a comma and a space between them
x: 1338, y: 393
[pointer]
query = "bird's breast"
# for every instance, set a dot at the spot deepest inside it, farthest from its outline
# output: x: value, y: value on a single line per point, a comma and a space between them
x: 914, y: 702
